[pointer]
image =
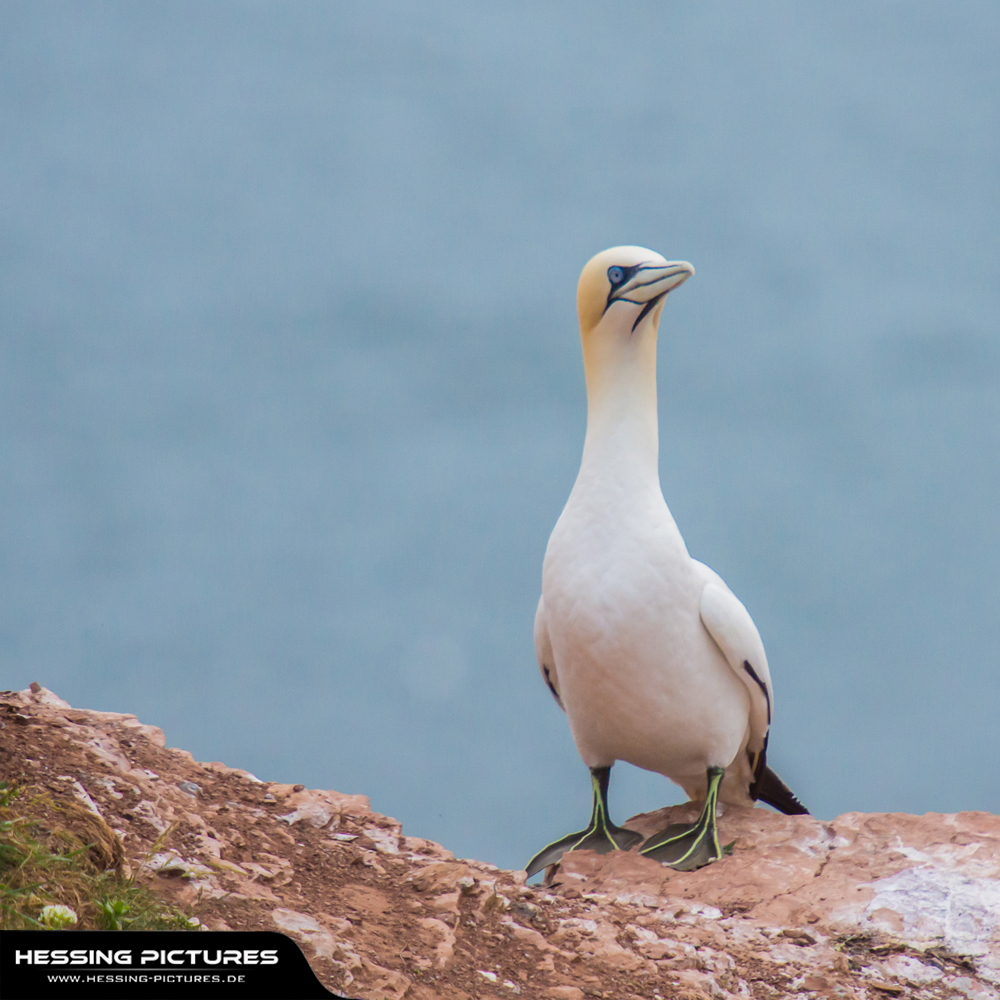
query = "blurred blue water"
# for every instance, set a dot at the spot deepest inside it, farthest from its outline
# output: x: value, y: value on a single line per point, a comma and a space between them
x: 291, y: 394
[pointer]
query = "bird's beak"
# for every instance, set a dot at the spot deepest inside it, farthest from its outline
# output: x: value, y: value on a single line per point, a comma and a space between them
x: 650, y: 285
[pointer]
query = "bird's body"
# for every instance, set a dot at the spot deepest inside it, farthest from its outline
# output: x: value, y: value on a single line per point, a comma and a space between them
x: 650, y: 654
x: 640, y: 678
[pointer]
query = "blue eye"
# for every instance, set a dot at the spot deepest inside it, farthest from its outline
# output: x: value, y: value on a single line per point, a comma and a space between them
x: 616, y: 275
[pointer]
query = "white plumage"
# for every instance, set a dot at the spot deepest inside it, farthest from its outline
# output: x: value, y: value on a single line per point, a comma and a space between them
x: 653, y: 658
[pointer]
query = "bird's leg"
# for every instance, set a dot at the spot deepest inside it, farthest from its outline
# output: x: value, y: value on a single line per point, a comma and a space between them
x: 601, y: 834
x: 686, y: 846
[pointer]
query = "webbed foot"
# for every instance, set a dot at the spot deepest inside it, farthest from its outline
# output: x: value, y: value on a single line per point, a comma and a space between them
x: 601, y: 834
x: 687, y: 846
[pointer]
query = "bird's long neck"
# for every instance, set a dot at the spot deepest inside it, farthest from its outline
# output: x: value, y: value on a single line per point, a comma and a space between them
x: 622, y: 442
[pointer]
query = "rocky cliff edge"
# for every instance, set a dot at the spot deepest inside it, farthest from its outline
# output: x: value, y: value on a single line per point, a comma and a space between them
x: 864, y: 906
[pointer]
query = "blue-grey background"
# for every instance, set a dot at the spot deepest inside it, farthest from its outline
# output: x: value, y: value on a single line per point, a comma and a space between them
x: 292, y: 393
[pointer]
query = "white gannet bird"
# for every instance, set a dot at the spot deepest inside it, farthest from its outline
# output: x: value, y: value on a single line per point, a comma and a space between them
x: 652, y: 657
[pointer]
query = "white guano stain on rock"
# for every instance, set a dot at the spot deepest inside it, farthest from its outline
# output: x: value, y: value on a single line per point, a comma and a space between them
x: 938, y: 904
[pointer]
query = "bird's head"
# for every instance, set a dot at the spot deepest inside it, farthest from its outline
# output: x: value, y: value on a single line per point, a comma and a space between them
x: 622, y: 290
x: 619, y: 300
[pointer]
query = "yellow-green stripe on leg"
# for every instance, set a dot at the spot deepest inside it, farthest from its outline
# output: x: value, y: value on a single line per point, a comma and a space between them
x: 686, y: 846
x: 601, y: 834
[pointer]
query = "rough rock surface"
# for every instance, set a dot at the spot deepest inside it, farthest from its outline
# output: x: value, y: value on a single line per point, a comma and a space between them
x: 864, y: 906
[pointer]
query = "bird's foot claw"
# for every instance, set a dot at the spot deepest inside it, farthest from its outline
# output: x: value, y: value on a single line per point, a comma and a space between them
x: 603, y: 839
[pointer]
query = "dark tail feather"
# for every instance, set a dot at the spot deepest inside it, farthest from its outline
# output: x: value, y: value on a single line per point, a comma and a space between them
x: 769, y: 788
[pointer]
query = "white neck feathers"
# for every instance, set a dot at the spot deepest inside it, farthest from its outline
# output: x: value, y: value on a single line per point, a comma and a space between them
x: 622, y: 431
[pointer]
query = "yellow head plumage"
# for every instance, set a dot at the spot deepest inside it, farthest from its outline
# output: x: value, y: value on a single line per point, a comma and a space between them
x: 629, y: 282
x: 619, y: 299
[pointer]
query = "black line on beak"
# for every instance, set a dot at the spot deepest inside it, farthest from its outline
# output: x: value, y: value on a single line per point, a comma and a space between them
x: 647, y: 308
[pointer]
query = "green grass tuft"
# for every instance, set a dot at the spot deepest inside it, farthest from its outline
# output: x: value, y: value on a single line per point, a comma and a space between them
x: 60, y: 853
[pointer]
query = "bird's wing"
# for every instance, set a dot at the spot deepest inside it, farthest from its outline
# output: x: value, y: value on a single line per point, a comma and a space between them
x: 543, y: 650
x: 732, y: 628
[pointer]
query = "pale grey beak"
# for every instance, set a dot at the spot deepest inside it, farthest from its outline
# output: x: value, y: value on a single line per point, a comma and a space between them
x: 649, y: 285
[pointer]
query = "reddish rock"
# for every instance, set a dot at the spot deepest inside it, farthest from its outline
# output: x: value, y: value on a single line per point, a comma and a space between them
x: 862, y: 906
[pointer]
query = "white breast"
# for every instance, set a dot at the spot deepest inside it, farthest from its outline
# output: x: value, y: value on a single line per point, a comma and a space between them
x: 640, y: 678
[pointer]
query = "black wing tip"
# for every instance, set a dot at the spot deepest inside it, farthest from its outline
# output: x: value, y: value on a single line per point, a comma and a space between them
x: 771, y: 789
